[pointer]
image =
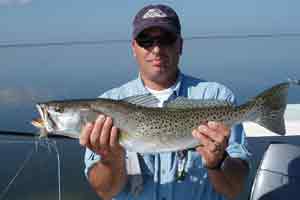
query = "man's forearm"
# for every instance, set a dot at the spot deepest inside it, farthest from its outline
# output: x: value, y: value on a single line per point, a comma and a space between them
x: 108, y: 179
x: 230, y: 180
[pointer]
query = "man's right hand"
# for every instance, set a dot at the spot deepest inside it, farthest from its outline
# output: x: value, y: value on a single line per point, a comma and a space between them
x: 107, y: 176
x: 102, y: 138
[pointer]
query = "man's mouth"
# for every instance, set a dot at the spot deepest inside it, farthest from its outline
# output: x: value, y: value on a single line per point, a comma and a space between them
x: 157, y: 63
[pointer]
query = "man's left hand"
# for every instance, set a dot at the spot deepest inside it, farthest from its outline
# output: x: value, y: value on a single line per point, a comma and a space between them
x: 213, y: 137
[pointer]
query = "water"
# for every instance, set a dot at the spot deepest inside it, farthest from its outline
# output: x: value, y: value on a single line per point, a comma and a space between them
x: 30, y: 75
x: 32, y: 169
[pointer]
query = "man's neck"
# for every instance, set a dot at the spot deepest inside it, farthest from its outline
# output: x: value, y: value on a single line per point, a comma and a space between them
x: 160, y: 84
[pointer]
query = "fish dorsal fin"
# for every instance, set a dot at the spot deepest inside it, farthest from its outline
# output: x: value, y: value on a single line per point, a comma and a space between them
x: 183, y: 102
x: 147, y: 100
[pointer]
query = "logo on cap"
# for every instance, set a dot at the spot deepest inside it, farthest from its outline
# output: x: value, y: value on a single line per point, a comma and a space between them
x: 155, y: 12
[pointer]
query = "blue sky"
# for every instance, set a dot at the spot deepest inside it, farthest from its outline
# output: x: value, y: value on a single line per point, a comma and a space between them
x: 57, y: 20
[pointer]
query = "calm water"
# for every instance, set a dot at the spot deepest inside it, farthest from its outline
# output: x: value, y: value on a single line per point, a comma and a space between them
x: 29, y: 75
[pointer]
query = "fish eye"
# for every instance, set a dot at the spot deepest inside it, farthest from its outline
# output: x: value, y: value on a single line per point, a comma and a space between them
x: 58, y: 109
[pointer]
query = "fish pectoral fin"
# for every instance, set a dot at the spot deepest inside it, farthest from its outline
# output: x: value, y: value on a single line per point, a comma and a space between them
x: 183, y: 102
x: 123, y: 136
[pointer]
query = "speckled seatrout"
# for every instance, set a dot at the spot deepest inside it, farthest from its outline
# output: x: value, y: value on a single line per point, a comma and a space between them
x: 145, y: 129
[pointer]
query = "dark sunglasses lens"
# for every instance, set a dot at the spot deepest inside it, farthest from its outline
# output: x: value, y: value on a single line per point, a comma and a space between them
x: 148, y: 41
x: 145, y: 42
x: 167, y: 40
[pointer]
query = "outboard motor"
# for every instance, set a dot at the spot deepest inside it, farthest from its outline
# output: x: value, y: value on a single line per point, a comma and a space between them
x: 278, y: 177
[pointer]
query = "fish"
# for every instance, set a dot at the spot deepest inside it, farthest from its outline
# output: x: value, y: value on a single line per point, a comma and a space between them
x: 145, y: 128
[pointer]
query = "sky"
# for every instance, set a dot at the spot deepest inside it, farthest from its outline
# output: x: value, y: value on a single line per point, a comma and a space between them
x: 56, y: 20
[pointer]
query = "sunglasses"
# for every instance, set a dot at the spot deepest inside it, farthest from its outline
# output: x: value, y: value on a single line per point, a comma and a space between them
x: 147, y: 41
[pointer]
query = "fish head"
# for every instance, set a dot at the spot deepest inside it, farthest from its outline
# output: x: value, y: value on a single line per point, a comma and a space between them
x: 58, y: 117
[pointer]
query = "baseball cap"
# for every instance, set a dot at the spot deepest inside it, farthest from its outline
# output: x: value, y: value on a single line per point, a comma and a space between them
x: 156, y: 16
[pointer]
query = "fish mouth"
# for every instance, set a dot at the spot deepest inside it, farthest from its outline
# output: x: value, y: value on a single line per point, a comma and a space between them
x: 45, y: 121
x: 38, y: 122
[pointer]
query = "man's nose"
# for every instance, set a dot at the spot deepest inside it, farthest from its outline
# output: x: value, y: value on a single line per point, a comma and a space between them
x: 156, y: 48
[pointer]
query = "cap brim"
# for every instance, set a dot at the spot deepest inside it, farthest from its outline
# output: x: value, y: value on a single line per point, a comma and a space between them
x: 166, y: 26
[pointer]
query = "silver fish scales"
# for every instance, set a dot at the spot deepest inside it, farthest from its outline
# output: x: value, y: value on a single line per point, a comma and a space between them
x: 147, y: 129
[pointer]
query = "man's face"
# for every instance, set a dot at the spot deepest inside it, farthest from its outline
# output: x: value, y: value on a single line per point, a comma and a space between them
x: 157, y: 53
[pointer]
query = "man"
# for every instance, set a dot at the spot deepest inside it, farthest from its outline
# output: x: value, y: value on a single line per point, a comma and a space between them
x: 215, y: 170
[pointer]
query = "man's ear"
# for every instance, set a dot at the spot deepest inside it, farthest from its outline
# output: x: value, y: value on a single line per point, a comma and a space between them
x: 180, y: 45
x: 133, y: 44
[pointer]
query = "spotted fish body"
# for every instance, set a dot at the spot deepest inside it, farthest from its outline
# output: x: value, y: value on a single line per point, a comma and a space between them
x: 148, y: 129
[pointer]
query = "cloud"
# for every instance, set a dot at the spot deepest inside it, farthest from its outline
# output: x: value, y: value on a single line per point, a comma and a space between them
x: 14, y: 2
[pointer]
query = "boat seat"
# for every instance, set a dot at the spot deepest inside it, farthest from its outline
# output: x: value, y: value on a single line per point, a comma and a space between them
x: 278, y: 176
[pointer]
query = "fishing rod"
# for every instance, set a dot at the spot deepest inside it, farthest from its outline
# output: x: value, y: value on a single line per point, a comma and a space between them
x: 28, y: 135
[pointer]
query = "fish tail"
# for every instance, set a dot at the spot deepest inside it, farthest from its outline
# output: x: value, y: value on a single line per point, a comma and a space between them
x: 272, y: 105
